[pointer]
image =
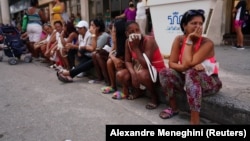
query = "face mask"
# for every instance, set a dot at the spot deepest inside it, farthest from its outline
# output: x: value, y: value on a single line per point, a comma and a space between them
x: 131, y: 5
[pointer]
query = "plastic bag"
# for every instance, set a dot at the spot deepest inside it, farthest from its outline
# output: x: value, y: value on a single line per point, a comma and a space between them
x: 25, y: 22
x: 152, y: 70
x: 65, y: 17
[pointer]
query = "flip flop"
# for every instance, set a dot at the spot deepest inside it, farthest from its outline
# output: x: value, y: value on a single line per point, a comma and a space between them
x: 107, y: 90
x: 63, y: 78
x: 151, y: 106
x: 168, y: 113
x: 118, y: 95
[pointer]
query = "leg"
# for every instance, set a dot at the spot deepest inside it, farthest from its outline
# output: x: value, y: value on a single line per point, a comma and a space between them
x: 102, y: 62
x: 123, y: 77
x: 83, y: 66
x: 195, y: 118
x: 97, y: 67
x: 72, y: 58
x: 145, y: 79
x: 171, y: 82
x: 199, y: 84
x: 111, y: 73
x: 239, y: 35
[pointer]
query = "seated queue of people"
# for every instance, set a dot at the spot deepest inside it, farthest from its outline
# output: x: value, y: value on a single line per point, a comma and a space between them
x: 119, y: 58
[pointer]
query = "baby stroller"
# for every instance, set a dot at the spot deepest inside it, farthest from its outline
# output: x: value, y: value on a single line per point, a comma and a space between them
x: 13, y: 46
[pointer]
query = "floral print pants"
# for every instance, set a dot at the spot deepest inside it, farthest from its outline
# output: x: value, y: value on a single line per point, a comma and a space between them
x: 196, y: 84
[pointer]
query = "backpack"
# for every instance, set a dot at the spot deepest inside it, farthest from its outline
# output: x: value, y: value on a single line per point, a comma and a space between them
x: 246, y: 15
x: 246, y: 18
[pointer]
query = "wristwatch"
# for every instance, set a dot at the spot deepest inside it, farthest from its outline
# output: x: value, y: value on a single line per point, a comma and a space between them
x: 189, y: 42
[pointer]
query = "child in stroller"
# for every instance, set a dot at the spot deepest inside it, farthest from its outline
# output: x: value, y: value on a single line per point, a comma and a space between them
x: 13, y: 46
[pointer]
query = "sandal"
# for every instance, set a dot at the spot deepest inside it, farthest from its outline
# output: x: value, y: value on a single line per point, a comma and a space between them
x: 57, y: 74
x: 119, y: 95
x: 107, y: 90
x: 151, y: 106
x: 62, y: 77
x: 134, y: 96
x: 168, y: 113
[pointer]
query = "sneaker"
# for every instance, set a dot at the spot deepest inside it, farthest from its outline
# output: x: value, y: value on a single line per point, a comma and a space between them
x: 94, y: 81
x: 53, y: 66
x: 80, y: 75
x: 240, y: 47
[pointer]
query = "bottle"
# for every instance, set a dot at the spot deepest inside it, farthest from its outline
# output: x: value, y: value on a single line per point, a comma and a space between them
x: 24, y: 22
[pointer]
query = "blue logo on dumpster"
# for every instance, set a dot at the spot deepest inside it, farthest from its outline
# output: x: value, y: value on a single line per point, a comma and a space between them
x: 174, y: 22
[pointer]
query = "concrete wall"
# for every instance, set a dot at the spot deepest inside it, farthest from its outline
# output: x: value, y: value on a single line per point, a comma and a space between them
x: 217, y: 25
x: 166, y: 17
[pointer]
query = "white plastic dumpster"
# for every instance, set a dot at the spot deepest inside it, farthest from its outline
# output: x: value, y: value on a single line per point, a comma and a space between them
x: 166, y: 16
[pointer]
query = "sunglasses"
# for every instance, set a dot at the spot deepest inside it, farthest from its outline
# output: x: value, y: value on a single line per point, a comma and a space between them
x: 79, y: 28
x: 195, y: 12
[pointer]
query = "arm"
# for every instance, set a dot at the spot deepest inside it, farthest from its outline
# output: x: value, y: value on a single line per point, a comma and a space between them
x: 69, y: 44
x: 91, y: 45
x: 51, y: 41
x: 146, y: 45
x: 128, y: 59
x: 174, y: 55
x: 62, y: 7
x: 120, y: 16
x: 150, y: 46
x: 123, y: 15
x: 192, y: 57
x: 42, y: 16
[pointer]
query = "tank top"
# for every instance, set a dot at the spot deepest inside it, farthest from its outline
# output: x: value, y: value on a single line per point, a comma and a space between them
x: 57, y: 15
x: 157, y: 60
x: 34, y: 18
x: 210, y: 64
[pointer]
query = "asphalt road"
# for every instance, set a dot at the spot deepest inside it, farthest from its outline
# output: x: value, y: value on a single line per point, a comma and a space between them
x: 35, y: 106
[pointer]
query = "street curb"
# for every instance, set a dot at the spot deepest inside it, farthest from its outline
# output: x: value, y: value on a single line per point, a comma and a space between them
x: 217, y: 108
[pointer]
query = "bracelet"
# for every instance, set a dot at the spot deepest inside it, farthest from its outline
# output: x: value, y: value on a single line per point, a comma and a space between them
x: 93, y: 35
x: 189, y: 42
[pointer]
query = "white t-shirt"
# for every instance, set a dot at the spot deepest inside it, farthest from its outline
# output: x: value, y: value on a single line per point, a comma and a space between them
x: 141, y: 10
x: 238, y: 14
x: 84, y: 41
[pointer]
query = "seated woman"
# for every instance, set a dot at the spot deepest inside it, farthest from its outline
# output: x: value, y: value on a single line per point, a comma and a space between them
x: 115, y: 61
x: 76, y: 48
x: 69, y: 35
x: 100, y: 56
x: 41, y: 45
x: 136, y: 72
x: 54, y: 44
x: 97, y: 40
x: 191, y: 56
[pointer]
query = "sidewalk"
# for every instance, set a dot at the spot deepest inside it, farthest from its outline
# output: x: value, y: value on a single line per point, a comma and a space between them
x: 231, y: 105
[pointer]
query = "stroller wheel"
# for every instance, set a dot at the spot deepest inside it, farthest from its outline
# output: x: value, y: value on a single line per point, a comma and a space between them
x: 12, y: 61
x: 27, y: 59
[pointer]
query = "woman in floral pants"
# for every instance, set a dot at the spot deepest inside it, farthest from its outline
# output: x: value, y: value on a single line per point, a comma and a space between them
x: 192, y: 67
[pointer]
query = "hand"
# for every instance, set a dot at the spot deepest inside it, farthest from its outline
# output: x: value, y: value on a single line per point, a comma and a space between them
x: 119, y: 64
x: 92, y: 30
x: 68, y: 45
x: 135, y: 81
x: 62, y: 34
x: 194, y: 36
x: 135, y: 39
x: 199, y: 67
